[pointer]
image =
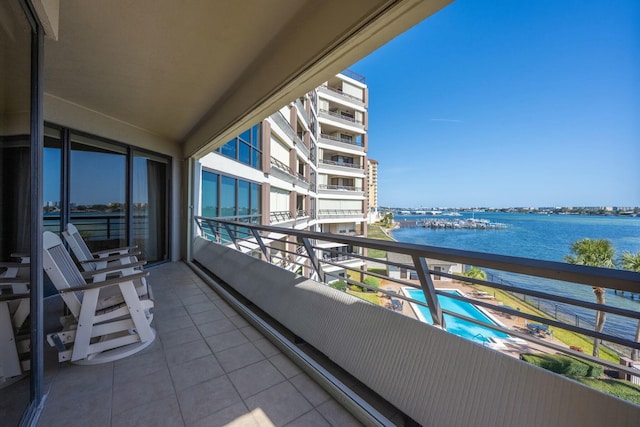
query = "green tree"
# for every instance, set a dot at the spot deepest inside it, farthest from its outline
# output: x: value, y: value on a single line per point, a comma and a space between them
x: 476, y: 273
x: 631, y: 261
x: 594, y: 253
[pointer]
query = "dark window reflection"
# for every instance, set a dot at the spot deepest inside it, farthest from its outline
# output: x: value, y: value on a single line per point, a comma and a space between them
x: 97, y: 198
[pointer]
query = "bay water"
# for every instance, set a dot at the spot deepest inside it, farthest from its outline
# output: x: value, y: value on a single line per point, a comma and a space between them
x: 545, y: 237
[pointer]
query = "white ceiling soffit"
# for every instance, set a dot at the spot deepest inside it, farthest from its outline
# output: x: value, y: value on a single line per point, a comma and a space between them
x: 200, y: 71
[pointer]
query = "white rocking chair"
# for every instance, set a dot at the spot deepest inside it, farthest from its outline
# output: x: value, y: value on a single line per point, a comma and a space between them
x: 14, y: 311
x: 98, y: 262
x: 108, y: 319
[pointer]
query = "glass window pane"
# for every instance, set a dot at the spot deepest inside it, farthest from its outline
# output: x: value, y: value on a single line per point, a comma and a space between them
x: 98, y: 192
x: 246, y: 136
x: 228, y: 197
x: 209, y: 205
x: 243, y: 198
x: 244, y: 154
x: 15, y: 173
x: 52, y: 170
x: 229, y: 149
x: 255, y: 137
x: 255, y: 199
x: 256, y: 159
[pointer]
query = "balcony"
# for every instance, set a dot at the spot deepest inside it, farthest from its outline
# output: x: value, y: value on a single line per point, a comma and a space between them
x: 209, y: 365
x: 330, y: 189
x: 339, y: 213
x: 283, y: 171
x: 338, y: 142
x: 350, y: 168
x: 411, y: 363
x: 328, y: 90
x: 303, y: 111
x: 343, y: 119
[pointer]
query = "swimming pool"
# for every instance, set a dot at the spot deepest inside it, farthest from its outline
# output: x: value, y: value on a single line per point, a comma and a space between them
x: 460, y: 327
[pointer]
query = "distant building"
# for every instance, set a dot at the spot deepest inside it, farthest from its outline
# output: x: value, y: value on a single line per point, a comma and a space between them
x: 372, y: 190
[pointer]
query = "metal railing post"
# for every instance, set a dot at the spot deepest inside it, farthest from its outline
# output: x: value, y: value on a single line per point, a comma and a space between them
x: 422, y: 270
x: 232, y: 235
x: 258, y: 238
x: 313, y: 258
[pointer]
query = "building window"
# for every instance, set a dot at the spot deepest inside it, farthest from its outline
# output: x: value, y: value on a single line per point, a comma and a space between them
x: 245, y: 148
x: 114, y: 194
x: 225, y: 196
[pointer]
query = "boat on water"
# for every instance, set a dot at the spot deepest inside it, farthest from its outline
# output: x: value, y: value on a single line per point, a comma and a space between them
x: 469, y: 224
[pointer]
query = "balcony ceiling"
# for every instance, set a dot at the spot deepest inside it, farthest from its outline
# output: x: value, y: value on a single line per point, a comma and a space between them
x: 197, y: 72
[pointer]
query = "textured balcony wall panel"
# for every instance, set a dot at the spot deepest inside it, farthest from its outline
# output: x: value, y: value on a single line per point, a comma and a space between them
x: 437, y: 378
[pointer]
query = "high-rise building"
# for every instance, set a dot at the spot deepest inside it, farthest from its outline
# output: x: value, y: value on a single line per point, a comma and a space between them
x: 372, y: 189
x: 303, y: 167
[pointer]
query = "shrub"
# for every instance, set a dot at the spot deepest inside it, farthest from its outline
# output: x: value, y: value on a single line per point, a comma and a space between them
x: 340, y: 285
x: 564, y: 365
x: 372, y: 281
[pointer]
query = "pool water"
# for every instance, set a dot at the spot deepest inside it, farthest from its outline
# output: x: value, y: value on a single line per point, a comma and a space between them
x: 454, y: 325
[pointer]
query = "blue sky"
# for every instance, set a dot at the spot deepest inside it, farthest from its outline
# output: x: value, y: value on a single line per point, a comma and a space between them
x: 509, y: 103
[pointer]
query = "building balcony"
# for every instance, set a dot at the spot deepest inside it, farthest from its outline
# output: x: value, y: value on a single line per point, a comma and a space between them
x: 341, y: 119
x: 341, y: 143
x: 339, y: 213
x: 332, y: 91
x: 209, y: 365
x: 338, y: 168
x: 303, y: 112
x: 416, y: 277
x: 218, y: 360
x: 340, y: 190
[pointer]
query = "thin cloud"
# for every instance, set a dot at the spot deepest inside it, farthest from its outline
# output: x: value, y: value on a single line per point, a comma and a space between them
x: 446, y: 120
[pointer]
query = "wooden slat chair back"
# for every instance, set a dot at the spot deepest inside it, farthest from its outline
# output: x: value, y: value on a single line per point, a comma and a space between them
x: 96, y: 261
x: 108, y: 320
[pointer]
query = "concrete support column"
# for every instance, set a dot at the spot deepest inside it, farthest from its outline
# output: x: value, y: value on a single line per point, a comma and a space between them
x: 306, y: 140
x: 265, y: 139
x: 265, y: 195
x: 292, y: 203
x: 293, y: 118
x: 293, y: 157
x: 365, y: 142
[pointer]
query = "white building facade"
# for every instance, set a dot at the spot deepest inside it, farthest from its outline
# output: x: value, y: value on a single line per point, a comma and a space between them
x: 304, y: 166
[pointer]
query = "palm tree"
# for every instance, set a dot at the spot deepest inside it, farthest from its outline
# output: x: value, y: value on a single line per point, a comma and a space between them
x: 594, y: 253
x: 631, y: 262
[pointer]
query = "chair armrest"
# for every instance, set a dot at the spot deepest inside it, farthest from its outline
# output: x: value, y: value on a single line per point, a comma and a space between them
x: 115, y: 250
x: 13, y: 281
x: 14, y: 264
x: 12, y: 297
x: 110, y: 282
x: 111, y: 258
x: 89, y: 274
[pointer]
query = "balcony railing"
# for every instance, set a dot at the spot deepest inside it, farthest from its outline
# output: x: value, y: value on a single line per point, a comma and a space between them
x: 417, y: 260
x: 339, y: 187
x: 338, y: 213
x: 302, y: 110
x: 284, y: 168
x: 341, y: 93
x: 285, y: 216
x: 341, y: 116
x: 343, y: 164
x: 357, y: 143
x: 284, y: 124
x: 355, y: 76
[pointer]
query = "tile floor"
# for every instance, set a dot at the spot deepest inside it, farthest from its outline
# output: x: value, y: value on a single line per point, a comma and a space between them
x: 207, y: 367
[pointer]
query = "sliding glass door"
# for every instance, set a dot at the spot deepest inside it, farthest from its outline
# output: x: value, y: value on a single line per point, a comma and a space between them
x: 115, y: 194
